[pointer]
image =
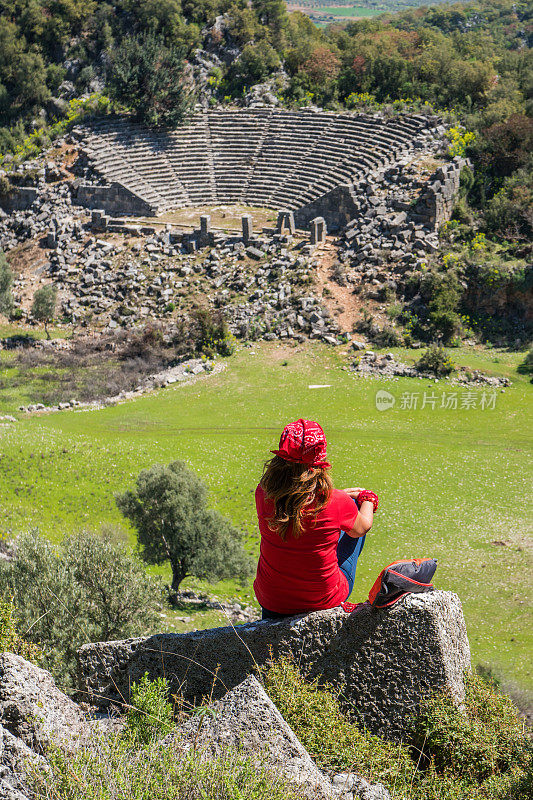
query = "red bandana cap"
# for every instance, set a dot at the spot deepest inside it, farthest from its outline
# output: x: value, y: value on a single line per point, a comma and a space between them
x: 303, y: 442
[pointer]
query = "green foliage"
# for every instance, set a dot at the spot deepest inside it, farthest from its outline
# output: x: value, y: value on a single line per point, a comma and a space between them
x: 508, y: 213
x: 436, y: 360
x: 95, y: 104
x: 89, y: 589
x: 314, y: 714
x: 43, y: 308
x: 479, y: 753
x: 256, y: 63
x: 6, y: 282
x: 445, y: 293
x: 168, y: 508
x: 10, y: 639
x: 460, y: 141
x: 150, y: 715
x: 211, y: 334
x: 526, y: 367
x: 485, y: 738
x: 111, y: 770
x: 147, y: 77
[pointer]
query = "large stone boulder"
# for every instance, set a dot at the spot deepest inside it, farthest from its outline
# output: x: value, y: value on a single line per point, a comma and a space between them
x: 382, y: 661
x: 33, y: 709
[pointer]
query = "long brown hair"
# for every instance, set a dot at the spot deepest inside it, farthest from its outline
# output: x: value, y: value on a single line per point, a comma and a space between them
x: 293, y: 486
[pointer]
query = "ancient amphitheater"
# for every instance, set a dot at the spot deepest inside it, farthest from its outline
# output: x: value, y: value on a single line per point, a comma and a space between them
x: 295, y: 160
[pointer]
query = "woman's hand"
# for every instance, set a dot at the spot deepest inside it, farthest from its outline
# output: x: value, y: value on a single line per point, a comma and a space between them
x: 354, y: 493
x: 365, y: 517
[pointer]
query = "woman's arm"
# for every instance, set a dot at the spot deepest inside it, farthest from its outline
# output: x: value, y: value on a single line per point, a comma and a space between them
x: 365, y: 517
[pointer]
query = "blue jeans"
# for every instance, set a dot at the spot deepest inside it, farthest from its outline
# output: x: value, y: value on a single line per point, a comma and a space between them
x: 348, y: 551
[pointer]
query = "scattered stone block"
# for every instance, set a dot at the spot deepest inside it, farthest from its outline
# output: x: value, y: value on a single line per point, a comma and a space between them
x: 255, y: 253
x: 383, y: 662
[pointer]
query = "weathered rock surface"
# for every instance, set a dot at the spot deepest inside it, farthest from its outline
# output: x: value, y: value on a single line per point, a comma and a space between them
x: 382, y: 661
x: 15, y: 756
x: 33, y: 709
x: 246, y: 718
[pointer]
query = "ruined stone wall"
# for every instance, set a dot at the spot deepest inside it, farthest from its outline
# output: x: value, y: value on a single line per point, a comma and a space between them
x: 337, y: 207
x: 436, y: 203
x: 113, y: 199
x: 19, y: 198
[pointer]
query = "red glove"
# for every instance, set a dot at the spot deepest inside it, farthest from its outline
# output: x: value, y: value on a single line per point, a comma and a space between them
x: 370, y: 496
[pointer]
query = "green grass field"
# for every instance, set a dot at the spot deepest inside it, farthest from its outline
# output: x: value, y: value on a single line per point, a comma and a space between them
x: 451, y: 482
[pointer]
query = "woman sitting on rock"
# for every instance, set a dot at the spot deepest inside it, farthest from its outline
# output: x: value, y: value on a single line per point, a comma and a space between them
x: 311, y: 533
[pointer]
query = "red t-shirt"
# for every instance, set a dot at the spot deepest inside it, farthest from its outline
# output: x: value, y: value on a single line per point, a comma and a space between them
x: 303, y: 574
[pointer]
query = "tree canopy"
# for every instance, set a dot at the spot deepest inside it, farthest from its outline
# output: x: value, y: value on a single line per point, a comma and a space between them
x: 168, y: 508
x: 148, y: 76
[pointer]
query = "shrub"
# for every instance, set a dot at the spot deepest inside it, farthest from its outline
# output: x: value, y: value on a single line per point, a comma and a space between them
x: 436, y: 360
x: 211, y: 334
x: 88, y: 589
x: 10, y: 638
x: 151, y: 715
x: 460, y: 139
x: 483, y: 739
x: 336, y: 744
x: 480, y: 752
x: 111, y: 770
x: 168, y: 508
x: 6, y: 281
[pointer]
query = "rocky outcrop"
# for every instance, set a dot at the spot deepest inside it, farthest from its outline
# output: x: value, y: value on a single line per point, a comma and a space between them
x: 33, y: 709
x: 15, y: 758
x: 247, y: 719
x: 382, y: 662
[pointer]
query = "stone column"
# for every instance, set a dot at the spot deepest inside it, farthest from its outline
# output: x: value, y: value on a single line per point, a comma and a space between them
x: 205, y: 230
x: 318, y: 230
x: 285, y: 220
x: 51, y: 240
x: 99, y: 220
x: 247, y: 227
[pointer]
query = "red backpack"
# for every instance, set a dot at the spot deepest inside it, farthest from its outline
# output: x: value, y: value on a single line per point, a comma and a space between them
x: 400, y: 578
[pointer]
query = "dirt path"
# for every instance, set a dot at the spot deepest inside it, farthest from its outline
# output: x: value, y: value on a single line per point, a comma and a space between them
x: 343, y: 304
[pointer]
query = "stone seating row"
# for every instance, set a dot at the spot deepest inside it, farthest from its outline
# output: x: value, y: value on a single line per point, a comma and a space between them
x: 261, y: 156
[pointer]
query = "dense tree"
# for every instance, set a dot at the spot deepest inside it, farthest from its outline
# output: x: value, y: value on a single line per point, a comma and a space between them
x: 148, y: 77
x: 256, y: 62
x: 168, y: 508
x: 44, y: 305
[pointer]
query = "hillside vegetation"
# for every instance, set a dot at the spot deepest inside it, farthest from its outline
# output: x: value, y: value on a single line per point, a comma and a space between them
x: 470, y: 62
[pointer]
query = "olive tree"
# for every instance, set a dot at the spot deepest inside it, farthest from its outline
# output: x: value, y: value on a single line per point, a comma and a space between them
x: 168, y: 508
x: 44, y: 305
x: 6, y: 281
